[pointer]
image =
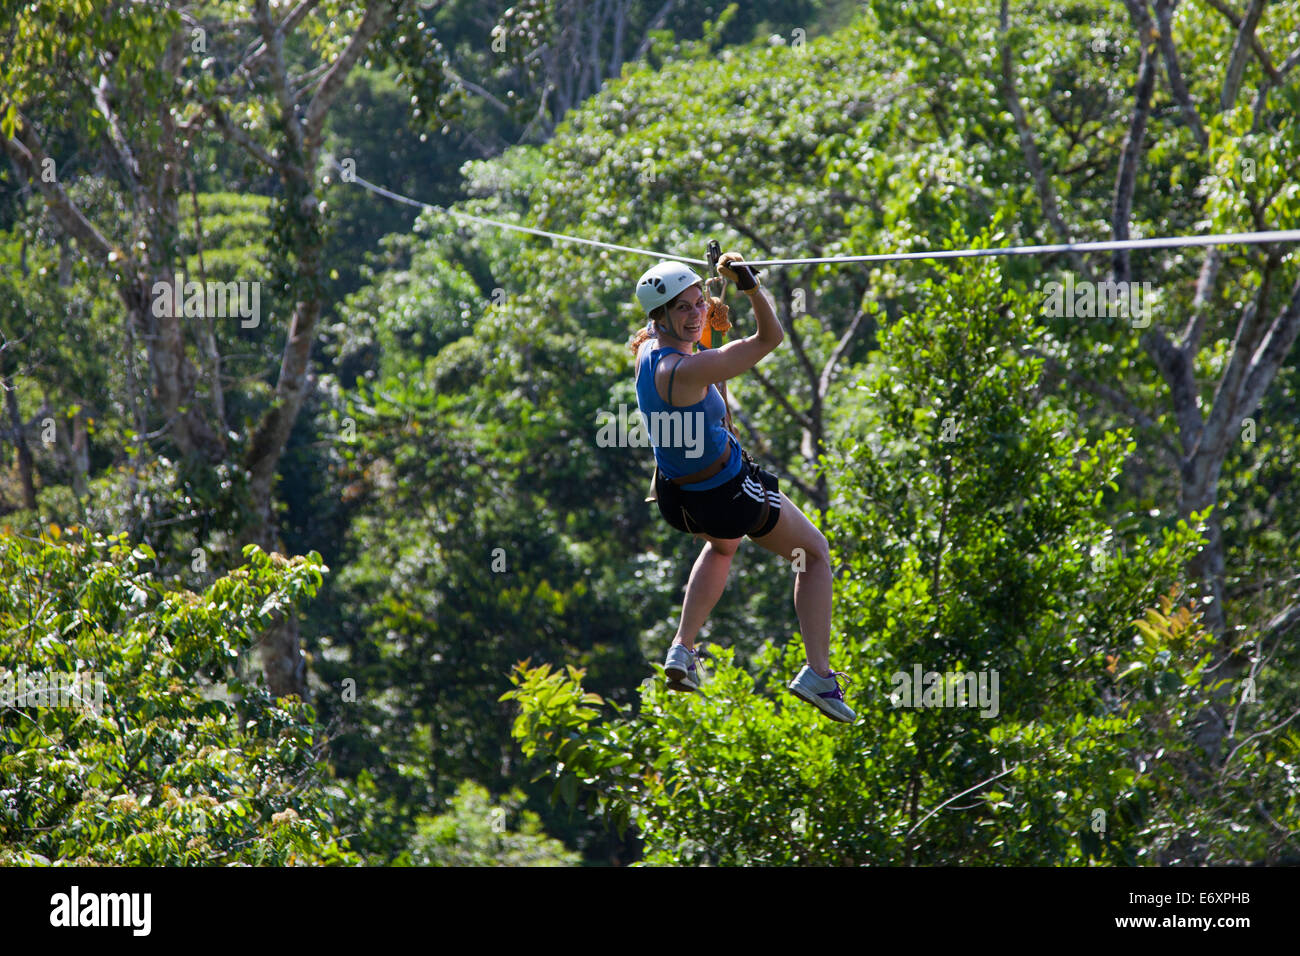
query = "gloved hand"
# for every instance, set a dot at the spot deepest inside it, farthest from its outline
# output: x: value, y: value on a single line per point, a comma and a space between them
x: 732, y: 266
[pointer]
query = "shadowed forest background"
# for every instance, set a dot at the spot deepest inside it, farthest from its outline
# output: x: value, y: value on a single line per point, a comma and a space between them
x: 365, y: 589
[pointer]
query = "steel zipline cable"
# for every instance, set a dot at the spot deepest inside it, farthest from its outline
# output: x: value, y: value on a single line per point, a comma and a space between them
x: 353, y: 177
x: 1112, y: 245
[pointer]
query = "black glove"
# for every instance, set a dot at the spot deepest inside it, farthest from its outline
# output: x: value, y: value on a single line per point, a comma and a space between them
x: 730, y: 267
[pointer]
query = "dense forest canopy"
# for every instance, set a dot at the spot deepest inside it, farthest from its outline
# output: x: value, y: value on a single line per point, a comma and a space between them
x: 309, y: 483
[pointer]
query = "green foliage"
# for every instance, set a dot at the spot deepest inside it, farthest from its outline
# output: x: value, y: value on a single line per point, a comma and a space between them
x: 974, y: 554
x: 180, y: 762
x: 476, y: 832
x: 979, y: 522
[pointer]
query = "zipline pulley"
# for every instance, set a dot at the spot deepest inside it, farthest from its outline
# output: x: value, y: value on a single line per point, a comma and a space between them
x: 717, y: 319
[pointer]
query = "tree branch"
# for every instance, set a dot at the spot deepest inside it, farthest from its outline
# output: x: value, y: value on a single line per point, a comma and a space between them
x: 779, y: 397
x: 237, y: 135
x: 29, y: 155
x: 958, y: 796
x: 1237, y: 61
x: 99, y: 93
x: 1230, y: 397
x: 1178, y: 372
x: 842, y: 346
x: 1131, y: 154
x: 1280, y: 623
x: 1119, y: 400
x: 1260, y: 53
x: 377, y: 14
x: 656, y: 22
x: 479, y: 91
x: 1272, y: 351
x: 258, y: 48
x: 1190, y: 339
x: 278, y: 77
x: 764, y: 447
x: 1046, y: 198
x: 1164, y: 15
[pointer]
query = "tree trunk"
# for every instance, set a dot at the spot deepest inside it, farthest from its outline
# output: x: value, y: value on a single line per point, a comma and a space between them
x: 20, y: 443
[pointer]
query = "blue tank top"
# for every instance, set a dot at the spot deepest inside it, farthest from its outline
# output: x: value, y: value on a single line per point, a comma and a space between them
x: 686, y: 438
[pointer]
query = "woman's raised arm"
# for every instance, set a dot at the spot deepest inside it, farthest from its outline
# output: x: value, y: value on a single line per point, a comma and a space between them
x: 717, y: 365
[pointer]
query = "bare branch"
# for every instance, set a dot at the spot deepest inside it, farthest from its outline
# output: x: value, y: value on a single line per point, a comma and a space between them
x: 1164, y: 15
x: 479, y: 91
x: 1190, y: 339
x: 796, y: 342
x: 1178, y: 371
x: 778, y: 396
x: 258, y: 48
x: 377, y: 15
x: 1256, y: 354
x: 656, y: 23
x: 1131, y: 154
x: 1280, y: 623
x: 1046, y: 197
x: 958, y: 796
x: 29, y: 155
x: 764, y: 448
x: 842, y: 346
x: 309, y: 80
x: 1272, y: 351
x: 237, y: 134
x: 1276, y: 727
x: 278, y: 77
x: 99, y: 93
x: 1260, y: 53
x: 1237, y: 61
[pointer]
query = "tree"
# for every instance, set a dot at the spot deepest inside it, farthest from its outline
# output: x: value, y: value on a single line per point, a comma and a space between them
x: 970, y: 517
x: 148, y: 73
x: 474, y: 832
x: 1238, y: 131
x: 126, y: 739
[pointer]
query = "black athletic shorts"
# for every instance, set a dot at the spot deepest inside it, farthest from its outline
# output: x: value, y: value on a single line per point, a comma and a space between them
x: 731, y: 510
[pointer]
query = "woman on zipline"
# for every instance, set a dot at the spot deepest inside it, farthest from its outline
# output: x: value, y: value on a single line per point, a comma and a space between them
x: 730, y: 496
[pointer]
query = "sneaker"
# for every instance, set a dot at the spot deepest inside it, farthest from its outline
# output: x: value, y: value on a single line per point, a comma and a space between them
x: 680, y: 668
x: 823, y: 693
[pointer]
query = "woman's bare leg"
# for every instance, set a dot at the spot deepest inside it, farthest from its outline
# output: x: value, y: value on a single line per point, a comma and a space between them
x: 708, y: 578
x: 797, y: 540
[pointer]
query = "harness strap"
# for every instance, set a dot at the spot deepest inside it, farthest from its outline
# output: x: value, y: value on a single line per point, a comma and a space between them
x: 707, y: 472
x: 686, y: 519
x: 672, y: 375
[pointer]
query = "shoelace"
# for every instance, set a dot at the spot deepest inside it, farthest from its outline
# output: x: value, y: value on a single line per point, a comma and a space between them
x: 839, y: 691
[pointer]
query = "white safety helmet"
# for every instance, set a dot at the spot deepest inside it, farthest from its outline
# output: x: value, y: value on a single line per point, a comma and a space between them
x: 663, y: 283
